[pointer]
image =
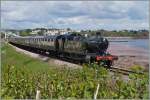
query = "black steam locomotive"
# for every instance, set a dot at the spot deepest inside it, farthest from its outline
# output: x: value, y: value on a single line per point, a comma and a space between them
x: 72, y: 46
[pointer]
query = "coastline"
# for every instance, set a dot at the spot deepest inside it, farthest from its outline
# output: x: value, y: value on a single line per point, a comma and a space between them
x: 125, y: 37
x: 129, y: 56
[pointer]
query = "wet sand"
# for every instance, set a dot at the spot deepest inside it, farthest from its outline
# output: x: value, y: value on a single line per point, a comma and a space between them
x: 129, y: 56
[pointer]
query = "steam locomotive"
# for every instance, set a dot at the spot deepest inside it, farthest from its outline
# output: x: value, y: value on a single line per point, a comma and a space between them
x: 72, y: 46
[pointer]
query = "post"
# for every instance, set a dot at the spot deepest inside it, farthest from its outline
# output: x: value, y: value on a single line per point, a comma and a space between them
x: 95, y: 95
x: 38, y: 95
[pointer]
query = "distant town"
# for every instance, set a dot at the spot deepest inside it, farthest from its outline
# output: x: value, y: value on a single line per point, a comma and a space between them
x: 54, y: 31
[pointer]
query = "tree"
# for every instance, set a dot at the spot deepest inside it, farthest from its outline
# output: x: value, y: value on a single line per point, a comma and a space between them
x: 68, y: 29
x: 24, y: 33
x: 28, y: 30
x: 41, y: 32
x: 2, y: 35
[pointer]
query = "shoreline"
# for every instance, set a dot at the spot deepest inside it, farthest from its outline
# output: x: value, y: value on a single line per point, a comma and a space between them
x: 125, y: 37
x: 129, y: 56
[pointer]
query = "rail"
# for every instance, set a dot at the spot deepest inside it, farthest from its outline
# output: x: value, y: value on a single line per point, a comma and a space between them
x: 124, y: 71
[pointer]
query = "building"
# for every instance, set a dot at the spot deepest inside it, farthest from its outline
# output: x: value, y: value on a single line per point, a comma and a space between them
x: 52, y: 31
x: 35, y: 31
x: 57, y: 31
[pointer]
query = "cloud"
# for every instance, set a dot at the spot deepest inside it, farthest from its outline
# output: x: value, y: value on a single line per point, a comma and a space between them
x: 75, y: 14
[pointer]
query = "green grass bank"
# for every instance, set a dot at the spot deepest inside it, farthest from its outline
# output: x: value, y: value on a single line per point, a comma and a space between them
x: 12, y: 58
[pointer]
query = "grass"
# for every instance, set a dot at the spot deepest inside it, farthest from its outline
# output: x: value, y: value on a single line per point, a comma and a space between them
x: 13, y: 58
x: 22, y: 76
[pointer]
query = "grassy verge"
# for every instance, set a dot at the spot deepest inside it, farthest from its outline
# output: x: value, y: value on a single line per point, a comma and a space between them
x: 12, y: 58
x: 22, y: 76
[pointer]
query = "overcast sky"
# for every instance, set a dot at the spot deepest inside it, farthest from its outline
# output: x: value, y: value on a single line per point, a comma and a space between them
x: 109, y: 15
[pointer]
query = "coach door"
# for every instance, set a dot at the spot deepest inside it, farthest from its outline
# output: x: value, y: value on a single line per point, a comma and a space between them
x: 56, y: 44
x: 61, y: 41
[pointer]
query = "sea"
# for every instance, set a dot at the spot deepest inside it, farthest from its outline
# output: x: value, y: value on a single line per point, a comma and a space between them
x: 140, y: 43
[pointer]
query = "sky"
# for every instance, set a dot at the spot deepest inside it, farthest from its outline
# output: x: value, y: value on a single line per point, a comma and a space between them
x: 78, y: 15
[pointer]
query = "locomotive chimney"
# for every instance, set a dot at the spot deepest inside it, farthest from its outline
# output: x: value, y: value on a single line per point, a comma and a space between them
x: 98, y: 33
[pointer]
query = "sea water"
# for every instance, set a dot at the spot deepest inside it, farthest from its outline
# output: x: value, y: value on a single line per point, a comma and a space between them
x: 140, y: 43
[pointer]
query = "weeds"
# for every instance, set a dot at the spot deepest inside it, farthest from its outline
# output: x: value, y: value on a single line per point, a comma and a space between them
x: 65, y: 83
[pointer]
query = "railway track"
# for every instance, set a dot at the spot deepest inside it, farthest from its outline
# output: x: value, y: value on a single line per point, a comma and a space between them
x: 123, y: 71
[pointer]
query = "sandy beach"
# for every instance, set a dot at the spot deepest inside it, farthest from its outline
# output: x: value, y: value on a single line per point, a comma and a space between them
x: 129, y: 56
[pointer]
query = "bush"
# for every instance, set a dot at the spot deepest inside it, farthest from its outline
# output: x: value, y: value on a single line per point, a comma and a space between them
x: 21, y: 83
